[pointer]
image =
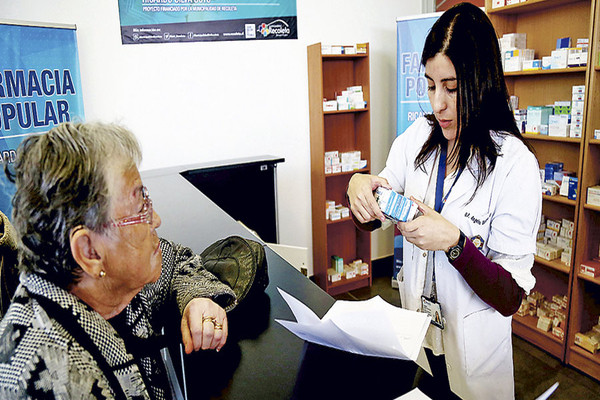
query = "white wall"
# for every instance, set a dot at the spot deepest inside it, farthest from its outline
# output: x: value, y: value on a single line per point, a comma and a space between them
x: 199, y: 102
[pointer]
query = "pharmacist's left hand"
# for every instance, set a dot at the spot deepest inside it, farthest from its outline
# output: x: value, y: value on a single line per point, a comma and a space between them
x: 429, y: 231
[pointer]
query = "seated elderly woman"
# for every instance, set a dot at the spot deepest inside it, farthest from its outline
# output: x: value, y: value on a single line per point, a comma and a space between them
x: 97, y: 281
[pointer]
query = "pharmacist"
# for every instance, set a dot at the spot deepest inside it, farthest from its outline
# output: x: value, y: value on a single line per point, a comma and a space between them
x: 468, y: 256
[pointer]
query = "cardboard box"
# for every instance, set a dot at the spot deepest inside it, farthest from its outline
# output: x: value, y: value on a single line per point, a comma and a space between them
x: 558, y: 332
x: 588, y: 341
x: 590, y: 268
x: 333, y: 276
x: 593, y: 195
x: 573, y: 188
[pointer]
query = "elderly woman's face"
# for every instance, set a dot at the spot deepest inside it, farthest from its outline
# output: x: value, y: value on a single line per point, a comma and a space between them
x: 135, y: 258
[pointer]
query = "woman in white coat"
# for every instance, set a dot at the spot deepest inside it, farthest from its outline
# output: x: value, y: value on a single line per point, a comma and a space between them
x: 476, y: 182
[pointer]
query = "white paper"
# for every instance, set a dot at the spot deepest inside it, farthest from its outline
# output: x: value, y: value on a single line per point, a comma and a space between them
x: 414, y: 394
x: 371, y: 327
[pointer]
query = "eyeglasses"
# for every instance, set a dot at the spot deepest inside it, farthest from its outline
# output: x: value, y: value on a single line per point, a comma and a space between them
x: 144, y: 217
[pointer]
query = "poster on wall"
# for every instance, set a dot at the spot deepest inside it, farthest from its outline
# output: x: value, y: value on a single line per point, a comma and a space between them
x: 164, y: 21
x: 40, y: 87
x: 412, y: 100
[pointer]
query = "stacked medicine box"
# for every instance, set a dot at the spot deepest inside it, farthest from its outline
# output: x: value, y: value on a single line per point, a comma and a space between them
x: 555, y: 240
x: 336, y: 162
x: 562, y: 119
x: 551, y: 314
x: 350, y: 99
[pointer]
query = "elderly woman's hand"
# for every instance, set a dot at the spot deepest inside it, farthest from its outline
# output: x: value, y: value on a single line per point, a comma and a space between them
x: 203, y: 325
x: 360, y: 194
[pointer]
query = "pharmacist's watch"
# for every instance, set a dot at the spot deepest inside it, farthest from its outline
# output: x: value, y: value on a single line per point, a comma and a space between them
x: 455, y: 251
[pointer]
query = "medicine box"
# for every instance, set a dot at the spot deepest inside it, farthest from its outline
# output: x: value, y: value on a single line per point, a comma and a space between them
x: 559, y: 58
x: 593, y: 195
x: 546, y: 62
x: 588, y: 341
x: 532, y: 65
x: 538, y: 115
x: 573, y: 188
x: 395, y: 206
x: 590, y: 268
x: 565, y: 258
x: 563, y: 43
x: 551, y: 168
x: 567, y: 223
x: 333, y: 275
x: 553, y: 224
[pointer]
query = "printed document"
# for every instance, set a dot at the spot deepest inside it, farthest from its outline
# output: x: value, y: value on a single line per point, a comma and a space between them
x: 371, y: 327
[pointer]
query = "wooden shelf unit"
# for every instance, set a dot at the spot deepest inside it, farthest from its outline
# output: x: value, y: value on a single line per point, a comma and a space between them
x: 585, y: 291
x: 540, y: 20
x: 342, y: 131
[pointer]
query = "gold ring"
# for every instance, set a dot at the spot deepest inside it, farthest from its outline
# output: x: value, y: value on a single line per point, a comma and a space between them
x: 218, y: 326
x: 210, y: 319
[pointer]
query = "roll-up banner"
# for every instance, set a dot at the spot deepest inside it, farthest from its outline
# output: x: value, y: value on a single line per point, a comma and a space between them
x: 412, y: 97
x: 164, y: 21
x: 40, y: 87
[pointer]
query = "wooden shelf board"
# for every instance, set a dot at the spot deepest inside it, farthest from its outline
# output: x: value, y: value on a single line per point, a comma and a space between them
x: 560, y: 199
x: 552, y: 138
x: 554, y: 264
x: 594, y: 141
x: 537, y: 72
x: 356, y: 110
x: 585, y: 361
x: 597, y: 68
x: 362, y: 170
x: 343, y: 56
x: 339, y: 221
x: 591, y: 207
x: 589, y: 278
x: 529, y: 6
x: 345, y: 285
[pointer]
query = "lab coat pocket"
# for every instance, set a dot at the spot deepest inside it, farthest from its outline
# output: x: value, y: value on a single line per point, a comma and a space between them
x: 486, y: 341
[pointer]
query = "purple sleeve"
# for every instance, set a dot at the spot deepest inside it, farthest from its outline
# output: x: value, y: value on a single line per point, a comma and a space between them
x: 492, y: 283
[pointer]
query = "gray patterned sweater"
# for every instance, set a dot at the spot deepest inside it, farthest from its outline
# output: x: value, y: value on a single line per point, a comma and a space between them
x: 52, y: 345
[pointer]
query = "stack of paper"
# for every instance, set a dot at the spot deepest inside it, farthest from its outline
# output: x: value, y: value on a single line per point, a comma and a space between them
x: 372, y: 327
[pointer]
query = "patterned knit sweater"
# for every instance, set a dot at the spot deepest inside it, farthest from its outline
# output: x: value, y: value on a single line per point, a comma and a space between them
x: 52, y: 345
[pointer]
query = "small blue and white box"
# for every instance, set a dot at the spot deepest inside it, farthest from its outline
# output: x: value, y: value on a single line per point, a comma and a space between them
x: 395, y: 206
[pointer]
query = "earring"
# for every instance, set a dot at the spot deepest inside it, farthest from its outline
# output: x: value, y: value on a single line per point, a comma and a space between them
x: 102, y: 274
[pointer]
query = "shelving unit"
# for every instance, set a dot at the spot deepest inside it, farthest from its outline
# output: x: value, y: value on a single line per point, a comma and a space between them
x: 544, y: 21
x: 585, y: 292
x: 342, y: 131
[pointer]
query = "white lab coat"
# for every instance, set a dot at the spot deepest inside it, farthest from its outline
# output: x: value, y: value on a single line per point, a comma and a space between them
x: 505, y: 214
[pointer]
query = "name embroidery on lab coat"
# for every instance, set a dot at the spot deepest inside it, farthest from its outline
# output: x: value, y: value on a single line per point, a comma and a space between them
x: 475, y: 220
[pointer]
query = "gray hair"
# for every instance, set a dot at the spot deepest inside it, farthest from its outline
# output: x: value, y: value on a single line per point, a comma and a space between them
x: 62, y: 179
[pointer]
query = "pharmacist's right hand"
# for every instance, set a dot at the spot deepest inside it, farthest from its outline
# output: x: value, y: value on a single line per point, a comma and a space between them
x: 360, y: 195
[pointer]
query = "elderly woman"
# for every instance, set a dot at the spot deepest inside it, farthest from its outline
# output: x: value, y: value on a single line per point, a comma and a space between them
x: 97, y: 281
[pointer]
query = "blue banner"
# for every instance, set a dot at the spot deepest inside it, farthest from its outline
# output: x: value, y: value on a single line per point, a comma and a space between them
x: 163, y: 21
x: 40, y: 87
x: 412, y: 97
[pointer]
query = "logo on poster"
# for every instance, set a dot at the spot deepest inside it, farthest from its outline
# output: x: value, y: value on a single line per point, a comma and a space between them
x: 277, y: 28
x: 250, y: 31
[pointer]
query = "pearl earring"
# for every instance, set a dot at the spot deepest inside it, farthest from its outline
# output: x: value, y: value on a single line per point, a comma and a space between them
x: 102, y: 274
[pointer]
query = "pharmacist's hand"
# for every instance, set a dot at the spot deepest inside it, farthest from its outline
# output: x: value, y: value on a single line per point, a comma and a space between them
x: 429, y: 231
x: 360, y: 194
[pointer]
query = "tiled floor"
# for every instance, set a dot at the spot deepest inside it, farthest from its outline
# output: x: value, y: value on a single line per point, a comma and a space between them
x: 535, y: 370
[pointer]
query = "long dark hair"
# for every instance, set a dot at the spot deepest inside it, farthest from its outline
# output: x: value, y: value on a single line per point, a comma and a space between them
x: 467, y: 37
